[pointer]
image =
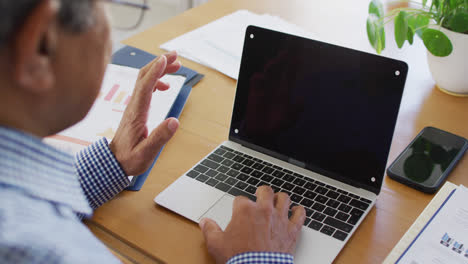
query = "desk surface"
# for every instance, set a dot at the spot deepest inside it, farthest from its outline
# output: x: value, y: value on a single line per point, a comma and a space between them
x: 134, y: 218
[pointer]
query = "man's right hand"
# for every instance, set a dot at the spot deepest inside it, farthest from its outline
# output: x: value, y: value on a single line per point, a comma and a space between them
x: 134, y: 146
x: 261, y: 226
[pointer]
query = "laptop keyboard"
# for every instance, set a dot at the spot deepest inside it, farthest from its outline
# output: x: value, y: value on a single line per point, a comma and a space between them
x: 329, y: 210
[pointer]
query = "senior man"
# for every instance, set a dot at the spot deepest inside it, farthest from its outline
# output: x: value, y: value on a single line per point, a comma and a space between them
x: 53, y: 54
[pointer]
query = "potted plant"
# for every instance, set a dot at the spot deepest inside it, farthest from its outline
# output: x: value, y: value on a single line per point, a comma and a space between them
x: 443, y: 27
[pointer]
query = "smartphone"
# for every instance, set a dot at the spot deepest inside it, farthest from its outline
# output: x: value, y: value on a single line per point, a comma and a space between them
x: 428, y: 159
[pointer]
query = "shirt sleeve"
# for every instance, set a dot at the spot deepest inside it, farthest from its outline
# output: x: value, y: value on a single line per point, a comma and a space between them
x: 99, y: 173
x: 262, y: 258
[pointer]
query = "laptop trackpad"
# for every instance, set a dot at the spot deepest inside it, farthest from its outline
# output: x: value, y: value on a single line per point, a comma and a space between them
x: 189, y: 197
x: 221, y: 212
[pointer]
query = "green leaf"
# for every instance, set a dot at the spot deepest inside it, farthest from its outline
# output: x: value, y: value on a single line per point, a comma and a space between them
x: 401, y: 28
x: 459, y: 22
x: 453, y: 4
x: 437, y: 42
x: 410, y: 35
x: 424, y: 2
x: 372, y: 29
x: 417, y: 23
x: 382, y: 36
x: 374, y: 32
x: 376, y: 7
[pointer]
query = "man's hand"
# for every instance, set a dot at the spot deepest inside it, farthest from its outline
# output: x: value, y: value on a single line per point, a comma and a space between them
x: 133, y: 146
x: 255, y: 226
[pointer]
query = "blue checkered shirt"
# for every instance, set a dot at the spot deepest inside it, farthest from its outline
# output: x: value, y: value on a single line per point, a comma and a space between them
x: 45, y: 192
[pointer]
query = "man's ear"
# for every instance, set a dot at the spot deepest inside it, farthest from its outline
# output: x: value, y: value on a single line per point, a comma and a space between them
x: 33, y: 46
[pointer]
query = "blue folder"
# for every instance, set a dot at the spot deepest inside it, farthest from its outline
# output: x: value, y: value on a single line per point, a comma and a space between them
x: 136, y: 58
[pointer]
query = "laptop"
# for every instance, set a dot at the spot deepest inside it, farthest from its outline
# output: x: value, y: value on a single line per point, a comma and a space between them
x: 310, y: 119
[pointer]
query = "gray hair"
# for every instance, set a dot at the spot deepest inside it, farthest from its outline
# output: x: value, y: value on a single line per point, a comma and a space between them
x: 74, y: 15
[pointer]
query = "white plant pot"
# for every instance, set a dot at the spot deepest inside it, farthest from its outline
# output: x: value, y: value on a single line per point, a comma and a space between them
x: 451, y: 73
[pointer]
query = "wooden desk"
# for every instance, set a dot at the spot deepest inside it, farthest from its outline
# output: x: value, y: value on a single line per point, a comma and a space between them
x: 134, y: 218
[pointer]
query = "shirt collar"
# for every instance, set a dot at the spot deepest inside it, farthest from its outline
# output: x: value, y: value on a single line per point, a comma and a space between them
x: 40, y: 170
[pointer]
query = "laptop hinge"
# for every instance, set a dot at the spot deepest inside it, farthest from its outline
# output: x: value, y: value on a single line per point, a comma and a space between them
x: 297, y: 163
x: 301, y: 164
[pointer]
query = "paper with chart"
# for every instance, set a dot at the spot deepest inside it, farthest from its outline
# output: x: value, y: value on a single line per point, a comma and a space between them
x: 445, y: 238
x: 107, y: 111
x: 420, y: 222
x: 219, y: 44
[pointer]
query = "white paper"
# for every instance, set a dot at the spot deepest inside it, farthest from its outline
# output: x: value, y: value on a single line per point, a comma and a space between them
x: 107, y: 111
x: 219, y: 44
x: 445, y: 239
x: 420, y: 222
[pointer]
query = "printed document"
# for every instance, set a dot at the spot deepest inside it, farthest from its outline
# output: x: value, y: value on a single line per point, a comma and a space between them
x: 107, y: 111
x: 445, y: 238
x: 219, y: 44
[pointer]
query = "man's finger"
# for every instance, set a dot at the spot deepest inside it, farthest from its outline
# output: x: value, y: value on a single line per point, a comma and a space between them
x: 241, y: 206
x: 141, y: 98
x: 160, y: 136
x: 265, y: 196
x: 144, y: 70
x: 210, y: 230
x: 172, y: 64
x: 297, y: 218
x: 161, y: 86
x: 170, y: 56
x: 282, y: 202
x: 171, y: 68
x: 155, y: 72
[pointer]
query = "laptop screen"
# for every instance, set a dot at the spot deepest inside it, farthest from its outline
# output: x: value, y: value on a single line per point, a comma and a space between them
x: 326, y: 108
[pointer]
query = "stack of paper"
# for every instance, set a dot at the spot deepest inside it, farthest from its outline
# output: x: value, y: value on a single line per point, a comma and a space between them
x: 219, y: 44
x: 107, y: 111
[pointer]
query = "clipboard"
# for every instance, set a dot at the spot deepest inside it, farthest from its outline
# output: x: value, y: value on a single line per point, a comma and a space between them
x: 136, y: 58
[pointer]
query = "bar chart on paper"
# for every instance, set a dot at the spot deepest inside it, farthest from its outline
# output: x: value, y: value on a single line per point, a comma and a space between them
x: 443, y: 235
x: 117, y: 98
x: 104, y: 117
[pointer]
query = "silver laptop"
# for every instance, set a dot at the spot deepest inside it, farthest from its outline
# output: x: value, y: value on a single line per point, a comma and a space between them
x: 310, y: 119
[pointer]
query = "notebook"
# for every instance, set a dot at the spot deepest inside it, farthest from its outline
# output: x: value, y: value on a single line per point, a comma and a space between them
x: 310, y: 119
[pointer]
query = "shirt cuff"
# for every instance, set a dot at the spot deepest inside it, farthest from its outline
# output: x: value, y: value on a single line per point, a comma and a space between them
x: 99, y: 173
x: 262, y: 258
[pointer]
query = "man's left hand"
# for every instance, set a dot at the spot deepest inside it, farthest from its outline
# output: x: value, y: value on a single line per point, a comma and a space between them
x: 133, y: 146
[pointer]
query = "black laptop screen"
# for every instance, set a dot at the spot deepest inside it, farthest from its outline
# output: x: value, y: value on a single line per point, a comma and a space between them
x: 329, y: 108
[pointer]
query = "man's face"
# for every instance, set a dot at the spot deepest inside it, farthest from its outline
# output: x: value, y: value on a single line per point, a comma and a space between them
x: 79, y: 63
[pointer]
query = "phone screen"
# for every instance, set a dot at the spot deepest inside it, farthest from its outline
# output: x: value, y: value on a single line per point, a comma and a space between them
x: 429, y: 157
